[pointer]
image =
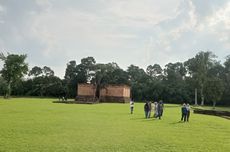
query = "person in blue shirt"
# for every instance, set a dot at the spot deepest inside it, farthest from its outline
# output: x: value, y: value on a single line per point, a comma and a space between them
x: 183, y: 112
x: 160, y: 107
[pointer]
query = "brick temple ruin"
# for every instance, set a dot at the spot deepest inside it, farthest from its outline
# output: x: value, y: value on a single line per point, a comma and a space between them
x: 88, y: 93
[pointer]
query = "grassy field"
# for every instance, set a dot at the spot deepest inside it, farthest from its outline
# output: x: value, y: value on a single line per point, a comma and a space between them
x: 40, y: 125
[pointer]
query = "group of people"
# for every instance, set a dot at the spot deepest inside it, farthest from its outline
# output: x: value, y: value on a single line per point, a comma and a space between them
x: 157, y: 109
x: 149, y: 107
x: 185, y: 112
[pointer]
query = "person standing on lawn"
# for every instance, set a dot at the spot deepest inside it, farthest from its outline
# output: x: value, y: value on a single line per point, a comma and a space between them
x: 188, y: 112
x: 146, y: 109
x: 150, y: 108
x: 131, y: 106
x: 155, y: 110
x: 160, y: 107
x: 183, y: 112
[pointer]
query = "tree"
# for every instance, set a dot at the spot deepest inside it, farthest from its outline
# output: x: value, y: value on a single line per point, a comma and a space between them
x: 81, y: 73
x: 139, y: 81
x: 198, y: 69
x: 119, y: 76
x: 47, y: 71
x: 13, y: 69
x: 226, y: 79
x: 86, y: 68
x: 49, y: 86
x: 174, y: 83
x: 214, y: 90
x: 70, y: 72
x: 174, y: 71
x: 99, y: 79
x: 135, y: 73
x: 35, y: 71
x: 214, y: 87
x: 110, y: 73
x: 154, y: 70
x: 71, y: 78
x: 3, y: 86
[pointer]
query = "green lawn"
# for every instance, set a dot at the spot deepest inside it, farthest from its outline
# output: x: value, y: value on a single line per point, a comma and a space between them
x: 40, y: 125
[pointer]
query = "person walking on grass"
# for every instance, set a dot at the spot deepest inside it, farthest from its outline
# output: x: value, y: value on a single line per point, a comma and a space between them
x: 150, y: 108
x: 160, y: 107
x: 183, y: 112
x: 146, y: 109
x: 131, y: 106
x: 155, y: 110
x: 188, y: 112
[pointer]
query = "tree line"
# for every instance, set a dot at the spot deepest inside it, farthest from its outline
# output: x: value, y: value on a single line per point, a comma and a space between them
x: 174, y: 83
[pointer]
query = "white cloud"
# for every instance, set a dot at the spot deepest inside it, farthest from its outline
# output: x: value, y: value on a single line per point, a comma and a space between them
x: 1, y: 9
x: 142, y: 13
x: 123, y: 31
x: 187, y: 33
x: 221, y: 16
x: 2, y: 12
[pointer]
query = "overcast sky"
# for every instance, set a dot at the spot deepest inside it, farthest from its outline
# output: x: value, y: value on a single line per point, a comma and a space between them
x: 139, y: 32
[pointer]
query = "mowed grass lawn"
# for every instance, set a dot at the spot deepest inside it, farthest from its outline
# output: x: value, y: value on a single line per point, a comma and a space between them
x: 40, y: 125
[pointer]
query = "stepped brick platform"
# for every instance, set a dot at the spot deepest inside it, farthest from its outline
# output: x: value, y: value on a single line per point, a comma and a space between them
x: 114, y: 99
x: 225, y: 114
x: 75, y: 102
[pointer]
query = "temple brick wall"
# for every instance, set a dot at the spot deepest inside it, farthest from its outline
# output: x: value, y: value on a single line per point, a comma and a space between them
x: 86, y: 90
x: 110, y: 93
x: 115, y: 93
x: 86, y: 93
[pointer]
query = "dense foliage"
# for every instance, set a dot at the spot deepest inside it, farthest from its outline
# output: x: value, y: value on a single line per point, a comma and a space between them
x: 13, y: 70
x: 174, y: 83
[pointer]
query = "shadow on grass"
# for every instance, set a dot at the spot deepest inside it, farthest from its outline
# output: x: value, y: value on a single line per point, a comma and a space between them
x: 143, y: 119
x: 177, y: 122
x: 140, y: 118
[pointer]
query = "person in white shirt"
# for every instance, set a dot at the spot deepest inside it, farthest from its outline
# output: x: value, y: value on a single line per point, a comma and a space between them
x: 131, y: 106
x: 188, y: 112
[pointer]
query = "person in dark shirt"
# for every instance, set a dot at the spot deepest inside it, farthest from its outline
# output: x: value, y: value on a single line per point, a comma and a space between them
x: 146, y: 109
x: 161, y: 107
x: 183, y: 112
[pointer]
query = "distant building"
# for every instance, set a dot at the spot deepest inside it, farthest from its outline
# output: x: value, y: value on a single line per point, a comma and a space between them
x: 86, y: 93
x: 110, y: 93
